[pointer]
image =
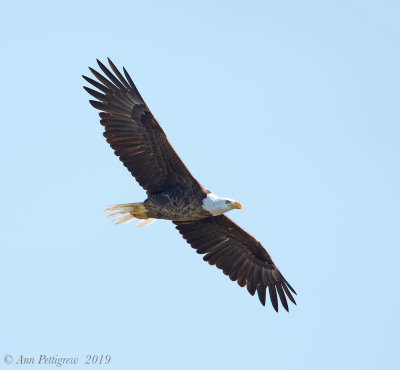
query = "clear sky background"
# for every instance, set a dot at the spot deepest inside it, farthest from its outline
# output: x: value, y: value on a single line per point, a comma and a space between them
x: 290, y: 107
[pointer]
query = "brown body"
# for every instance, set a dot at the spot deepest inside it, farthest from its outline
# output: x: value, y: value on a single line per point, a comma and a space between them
x: 181, y: 204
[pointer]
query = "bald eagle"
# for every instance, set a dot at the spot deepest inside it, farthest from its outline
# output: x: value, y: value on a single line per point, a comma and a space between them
x: 174, y: 194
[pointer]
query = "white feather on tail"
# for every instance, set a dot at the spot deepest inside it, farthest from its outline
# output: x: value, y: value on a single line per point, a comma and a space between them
x: 124, y: 213
x: 143, y: 223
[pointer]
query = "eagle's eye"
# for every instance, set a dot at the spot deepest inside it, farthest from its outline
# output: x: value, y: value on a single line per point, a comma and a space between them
x: 227, y: 201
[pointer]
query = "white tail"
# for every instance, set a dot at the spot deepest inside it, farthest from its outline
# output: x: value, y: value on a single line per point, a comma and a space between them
x: 124, y: 213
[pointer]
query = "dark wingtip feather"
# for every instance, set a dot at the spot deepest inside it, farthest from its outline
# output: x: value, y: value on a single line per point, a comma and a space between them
x: 92, y: 70
x: 86, y: 78
x: 290, y: 287
x: 110, y: 62
x: 118, y: 74
x: 95, y: 94
x: 104, y: 80
x: 101, y: 87
x: 287, y: 291
x: 274, y: 298
x: 100, y: 64
x: 109, y: 74
x: 96, y: 104
x: 282, y: 297
x: 251, y: 287
x: 261, y: 293
x: 128, y: 77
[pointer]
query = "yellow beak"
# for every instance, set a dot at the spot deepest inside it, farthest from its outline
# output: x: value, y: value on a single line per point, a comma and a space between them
x: 237, y: 205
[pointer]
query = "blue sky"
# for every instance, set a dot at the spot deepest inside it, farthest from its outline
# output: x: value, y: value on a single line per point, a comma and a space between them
x: 289, y: 107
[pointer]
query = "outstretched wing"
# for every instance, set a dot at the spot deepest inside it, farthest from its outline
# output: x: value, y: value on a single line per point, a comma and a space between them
x: 134, y: 133
x: 239, y: 255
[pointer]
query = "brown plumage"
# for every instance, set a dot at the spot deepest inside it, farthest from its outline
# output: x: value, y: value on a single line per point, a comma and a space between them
x: 174, y: 194
x: 239, y: 255
x: 134, y: 133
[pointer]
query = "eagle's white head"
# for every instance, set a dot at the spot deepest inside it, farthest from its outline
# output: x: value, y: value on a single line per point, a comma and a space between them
x: 217, y: 205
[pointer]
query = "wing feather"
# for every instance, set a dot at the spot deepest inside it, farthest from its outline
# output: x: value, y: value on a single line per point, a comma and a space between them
x: 273, y: 297
x: 134, y: 133
x: 261, y: 290
x: 239, y: 255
